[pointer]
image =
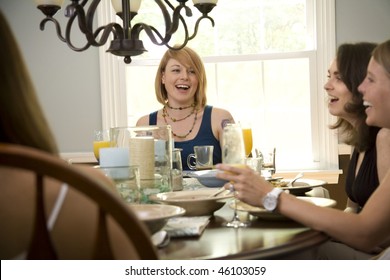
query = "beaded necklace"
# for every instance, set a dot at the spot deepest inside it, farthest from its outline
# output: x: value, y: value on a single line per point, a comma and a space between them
x: 165, y: 113
x: 195, y: 110
x: 180, y: 108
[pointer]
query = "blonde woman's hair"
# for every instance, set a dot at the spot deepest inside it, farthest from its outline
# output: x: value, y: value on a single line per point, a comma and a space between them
x: 190, y: 59
x: 381, y: 54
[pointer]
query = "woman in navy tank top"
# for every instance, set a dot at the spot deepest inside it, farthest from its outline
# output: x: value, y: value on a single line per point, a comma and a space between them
x: 180, y: 87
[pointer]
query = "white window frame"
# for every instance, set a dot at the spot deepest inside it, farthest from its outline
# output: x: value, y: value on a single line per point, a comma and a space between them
x: 325, y: 141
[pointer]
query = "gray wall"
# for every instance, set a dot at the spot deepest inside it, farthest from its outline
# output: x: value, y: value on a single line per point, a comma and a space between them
x: 68, y: 83
x: 362, y: 20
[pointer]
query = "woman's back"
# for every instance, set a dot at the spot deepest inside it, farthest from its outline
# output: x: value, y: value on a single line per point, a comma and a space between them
x: 72, y: 218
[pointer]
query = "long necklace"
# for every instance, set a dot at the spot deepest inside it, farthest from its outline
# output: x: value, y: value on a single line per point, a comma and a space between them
x: 165, y: 113
x: 192, y: 127
x: 180, y: 108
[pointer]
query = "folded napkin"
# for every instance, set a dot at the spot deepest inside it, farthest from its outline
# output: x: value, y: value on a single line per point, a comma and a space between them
x: 186, y: 226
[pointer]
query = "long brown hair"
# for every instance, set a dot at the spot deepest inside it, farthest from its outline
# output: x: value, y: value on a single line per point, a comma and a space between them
x: 21, y: 118
x: 352, y: 61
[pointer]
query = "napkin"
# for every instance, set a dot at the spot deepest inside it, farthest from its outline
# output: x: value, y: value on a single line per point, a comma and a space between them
x: 186, y: 226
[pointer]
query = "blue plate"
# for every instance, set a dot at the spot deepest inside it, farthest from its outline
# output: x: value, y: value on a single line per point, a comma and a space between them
x: 206, y: 178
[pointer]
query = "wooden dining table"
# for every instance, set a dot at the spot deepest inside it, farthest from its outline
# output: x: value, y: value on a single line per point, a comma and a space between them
x: 262, y: 239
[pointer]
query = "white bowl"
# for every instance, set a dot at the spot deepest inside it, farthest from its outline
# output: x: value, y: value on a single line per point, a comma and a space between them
x: 196, y: 203
x: 206, y: 178
x: 155, y: 216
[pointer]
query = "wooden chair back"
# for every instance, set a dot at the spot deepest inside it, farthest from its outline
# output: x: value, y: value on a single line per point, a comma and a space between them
x: 45, y: 165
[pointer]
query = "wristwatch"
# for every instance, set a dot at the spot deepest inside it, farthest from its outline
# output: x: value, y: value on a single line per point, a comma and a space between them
x: 270, y: 201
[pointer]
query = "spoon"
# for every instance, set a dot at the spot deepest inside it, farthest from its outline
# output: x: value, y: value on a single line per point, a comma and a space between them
x: 219, y: 191
x: 299, y: 175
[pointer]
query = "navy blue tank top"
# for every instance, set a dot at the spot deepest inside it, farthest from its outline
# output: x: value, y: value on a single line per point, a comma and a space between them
x: 360, y: 188
x: 205, y: 136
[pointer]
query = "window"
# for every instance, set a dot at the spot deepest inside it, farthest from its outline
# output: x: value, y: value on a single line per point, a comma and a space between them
x: 266, y: 62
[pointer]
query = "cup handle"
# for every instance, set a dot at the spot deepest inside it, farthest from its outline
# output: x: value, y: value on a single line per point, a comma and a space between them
x: 192, y: 167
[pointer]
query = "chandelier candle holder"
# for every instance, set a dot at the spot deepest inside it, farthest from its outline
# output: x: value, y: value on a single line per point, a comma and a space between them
x: 125, y: 40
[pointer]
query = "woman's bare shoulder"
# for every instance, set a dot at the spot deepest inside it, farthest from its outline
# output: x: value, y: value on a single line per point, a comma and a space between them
x: 383, y: 140
x: 144, y: 120
x: 222, y: 114
x: 383, y: 134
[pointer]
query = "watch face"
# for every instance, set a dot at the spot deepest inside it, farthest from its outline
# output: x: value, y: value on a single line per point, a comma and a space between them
x: 270, y: 202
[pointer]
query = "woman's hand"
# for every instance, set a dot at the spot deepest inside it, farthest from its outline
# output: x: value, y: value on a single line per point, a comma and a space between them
x: 250, y: 187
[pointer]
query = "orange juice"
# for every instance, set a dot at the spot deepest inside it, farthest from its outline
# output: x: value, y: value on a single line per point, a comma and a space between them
x: 248, y: 141
x: 100, y: 144
x: 238, y: 165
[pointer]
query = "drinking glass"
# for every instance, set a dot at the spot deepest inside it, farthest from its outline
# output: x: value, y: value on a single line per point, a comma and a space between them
x: 150, y: 148
x: 233, y: 153
x: 248, y: 139
x: 177, y: 170
x: 269, y: 166
x: 203, y: 156
x: 101, y: 140
x: 127, y: 182
x: 256, y: 163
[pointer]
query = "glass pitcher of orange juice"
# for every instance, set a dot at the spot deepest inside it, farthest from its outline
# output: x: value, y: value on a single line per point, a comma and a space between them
x: 101, y: 140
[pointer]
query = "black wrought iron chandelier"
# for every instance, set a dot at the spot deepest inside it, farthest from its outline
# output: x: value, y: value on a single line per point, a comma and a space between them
x: 126, y: 40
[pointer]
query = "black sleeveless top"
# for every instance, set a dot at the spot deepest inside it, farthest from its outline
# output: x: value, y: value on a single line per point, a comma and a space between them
x: 359, y: 189
x: 205, y: 136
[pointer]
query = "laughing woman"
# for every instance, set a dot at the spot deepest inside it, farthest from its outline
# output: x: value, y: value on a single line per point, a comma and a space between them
x: 180, y: 87
x: 365, y: 231
x: 371, y: 150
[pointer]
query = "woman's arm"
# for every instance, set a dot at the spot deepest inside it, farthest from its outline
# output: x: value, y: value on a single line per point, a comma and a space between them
x: 219, y: 118
x: 383, y: 152
x: 363, y: 231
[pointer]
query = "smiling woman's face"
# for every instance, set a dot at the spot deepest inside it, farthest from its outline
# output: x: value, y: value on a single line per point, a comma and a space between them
x: 180, y: 82
x: 338, y: 93
x: 376, y: 95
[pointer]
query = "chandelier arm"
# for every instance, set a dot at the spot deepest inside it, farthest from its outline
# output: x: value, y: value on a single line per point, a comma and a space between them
x: 113, y: 28
x: 197, y: 25
x: 57, y: 25
x: 137, y: 28
x: 91, y: 13
x: 151, y: 32
x: 176, y: 17
x: 68, y: 40
x: 85, y: 23
x: 166, y: 15
x: 186, y: 37
x: 171, y: 27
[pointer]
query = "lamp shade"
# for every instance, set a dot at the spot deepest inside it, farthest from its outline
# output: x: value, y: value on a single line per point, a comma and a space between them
x: 134, y: 5
x: 204, y: 1
x: 49, y: 2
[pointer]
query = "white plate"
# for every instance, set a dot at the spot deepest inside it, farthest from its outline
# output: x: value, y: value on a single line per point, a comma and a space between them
x: 206, y: 178
x: 264, y: 214
x: 303, y: 185
x: 196, y: 202
x: 155, y: 216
